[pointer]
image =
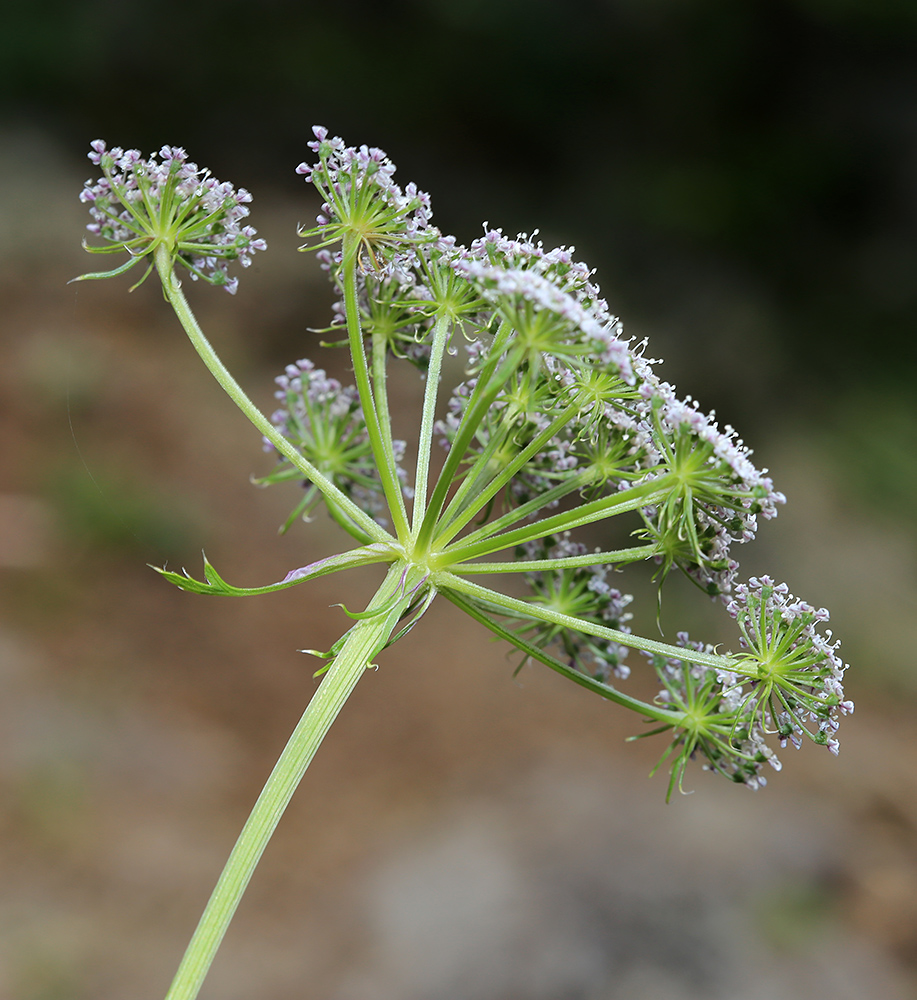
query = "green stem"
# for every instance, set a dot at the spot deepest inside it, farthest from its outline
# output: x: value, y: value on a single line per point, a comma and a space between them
x: 654, y: 712
x: 380, y: 386
x: 525, y: 609
x: 617, y: 557
x: 527, y: 510
x: 587, y: 513
x: 425, y: 442
x: 380, y: 442
x: 173, y: 292
x: 364, y: 640
x: 490, y: 382
x: 455, y: 518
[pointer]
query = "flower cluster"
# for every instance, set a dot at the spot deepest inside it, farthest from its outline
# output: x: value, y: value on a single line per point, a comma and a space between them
x: 713, y: 722
x: 716, y: 491
x: 549, y: 322
x: 323, y: 419
x: 557, y: 265
x: 613, y: 427
x: 560, y: 412
x: 787, y: 683
x: 584, y: 593
x: 362, y: 200
x: 141, y: 203
x: 793, y: 673
x: 561, y: 422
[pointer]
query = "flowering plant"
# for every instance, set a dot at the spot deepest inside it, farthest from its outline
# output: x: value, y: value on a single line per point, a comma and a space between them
x: 560, y: 422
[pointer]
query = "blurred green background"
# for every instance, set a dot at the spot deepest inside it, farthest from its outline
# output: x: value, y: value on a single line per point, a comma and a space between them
x: 743, y: 176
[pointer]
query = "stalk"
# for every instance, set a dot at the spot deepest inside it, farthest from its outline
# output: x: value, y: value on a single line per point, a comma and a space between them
x: 367, y: 637
x: 173, y: 292
x: 607, y: 691
x: 446, y: 582
x: 490, y: 381
x: 617, y: 557
x: 380, y: 440
x: 455, y: 517
x: 425, y: 443
x: 598, y: 510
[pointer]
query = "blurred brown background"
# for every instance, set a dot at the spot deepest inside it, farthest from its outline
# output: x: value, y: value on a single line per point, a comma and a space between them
x: 744, y: 177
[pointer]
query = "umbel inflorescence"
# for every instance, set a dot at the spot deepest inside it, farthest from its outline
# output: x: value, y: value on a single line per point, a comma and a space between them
x: 559, y: 422
x: 141, y: 203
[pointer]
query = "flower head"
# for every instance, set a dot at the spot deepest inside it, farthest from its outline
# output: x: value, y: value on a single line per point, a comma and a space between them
x: 140, y: 204
x: 715, y: 722
x: 362, y: 202
x: 716, y: 492
x: 548, y: 320
x: 793, y: 672
x: 584, y: 593
x: 787, y: 683
x: 324, y: 420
